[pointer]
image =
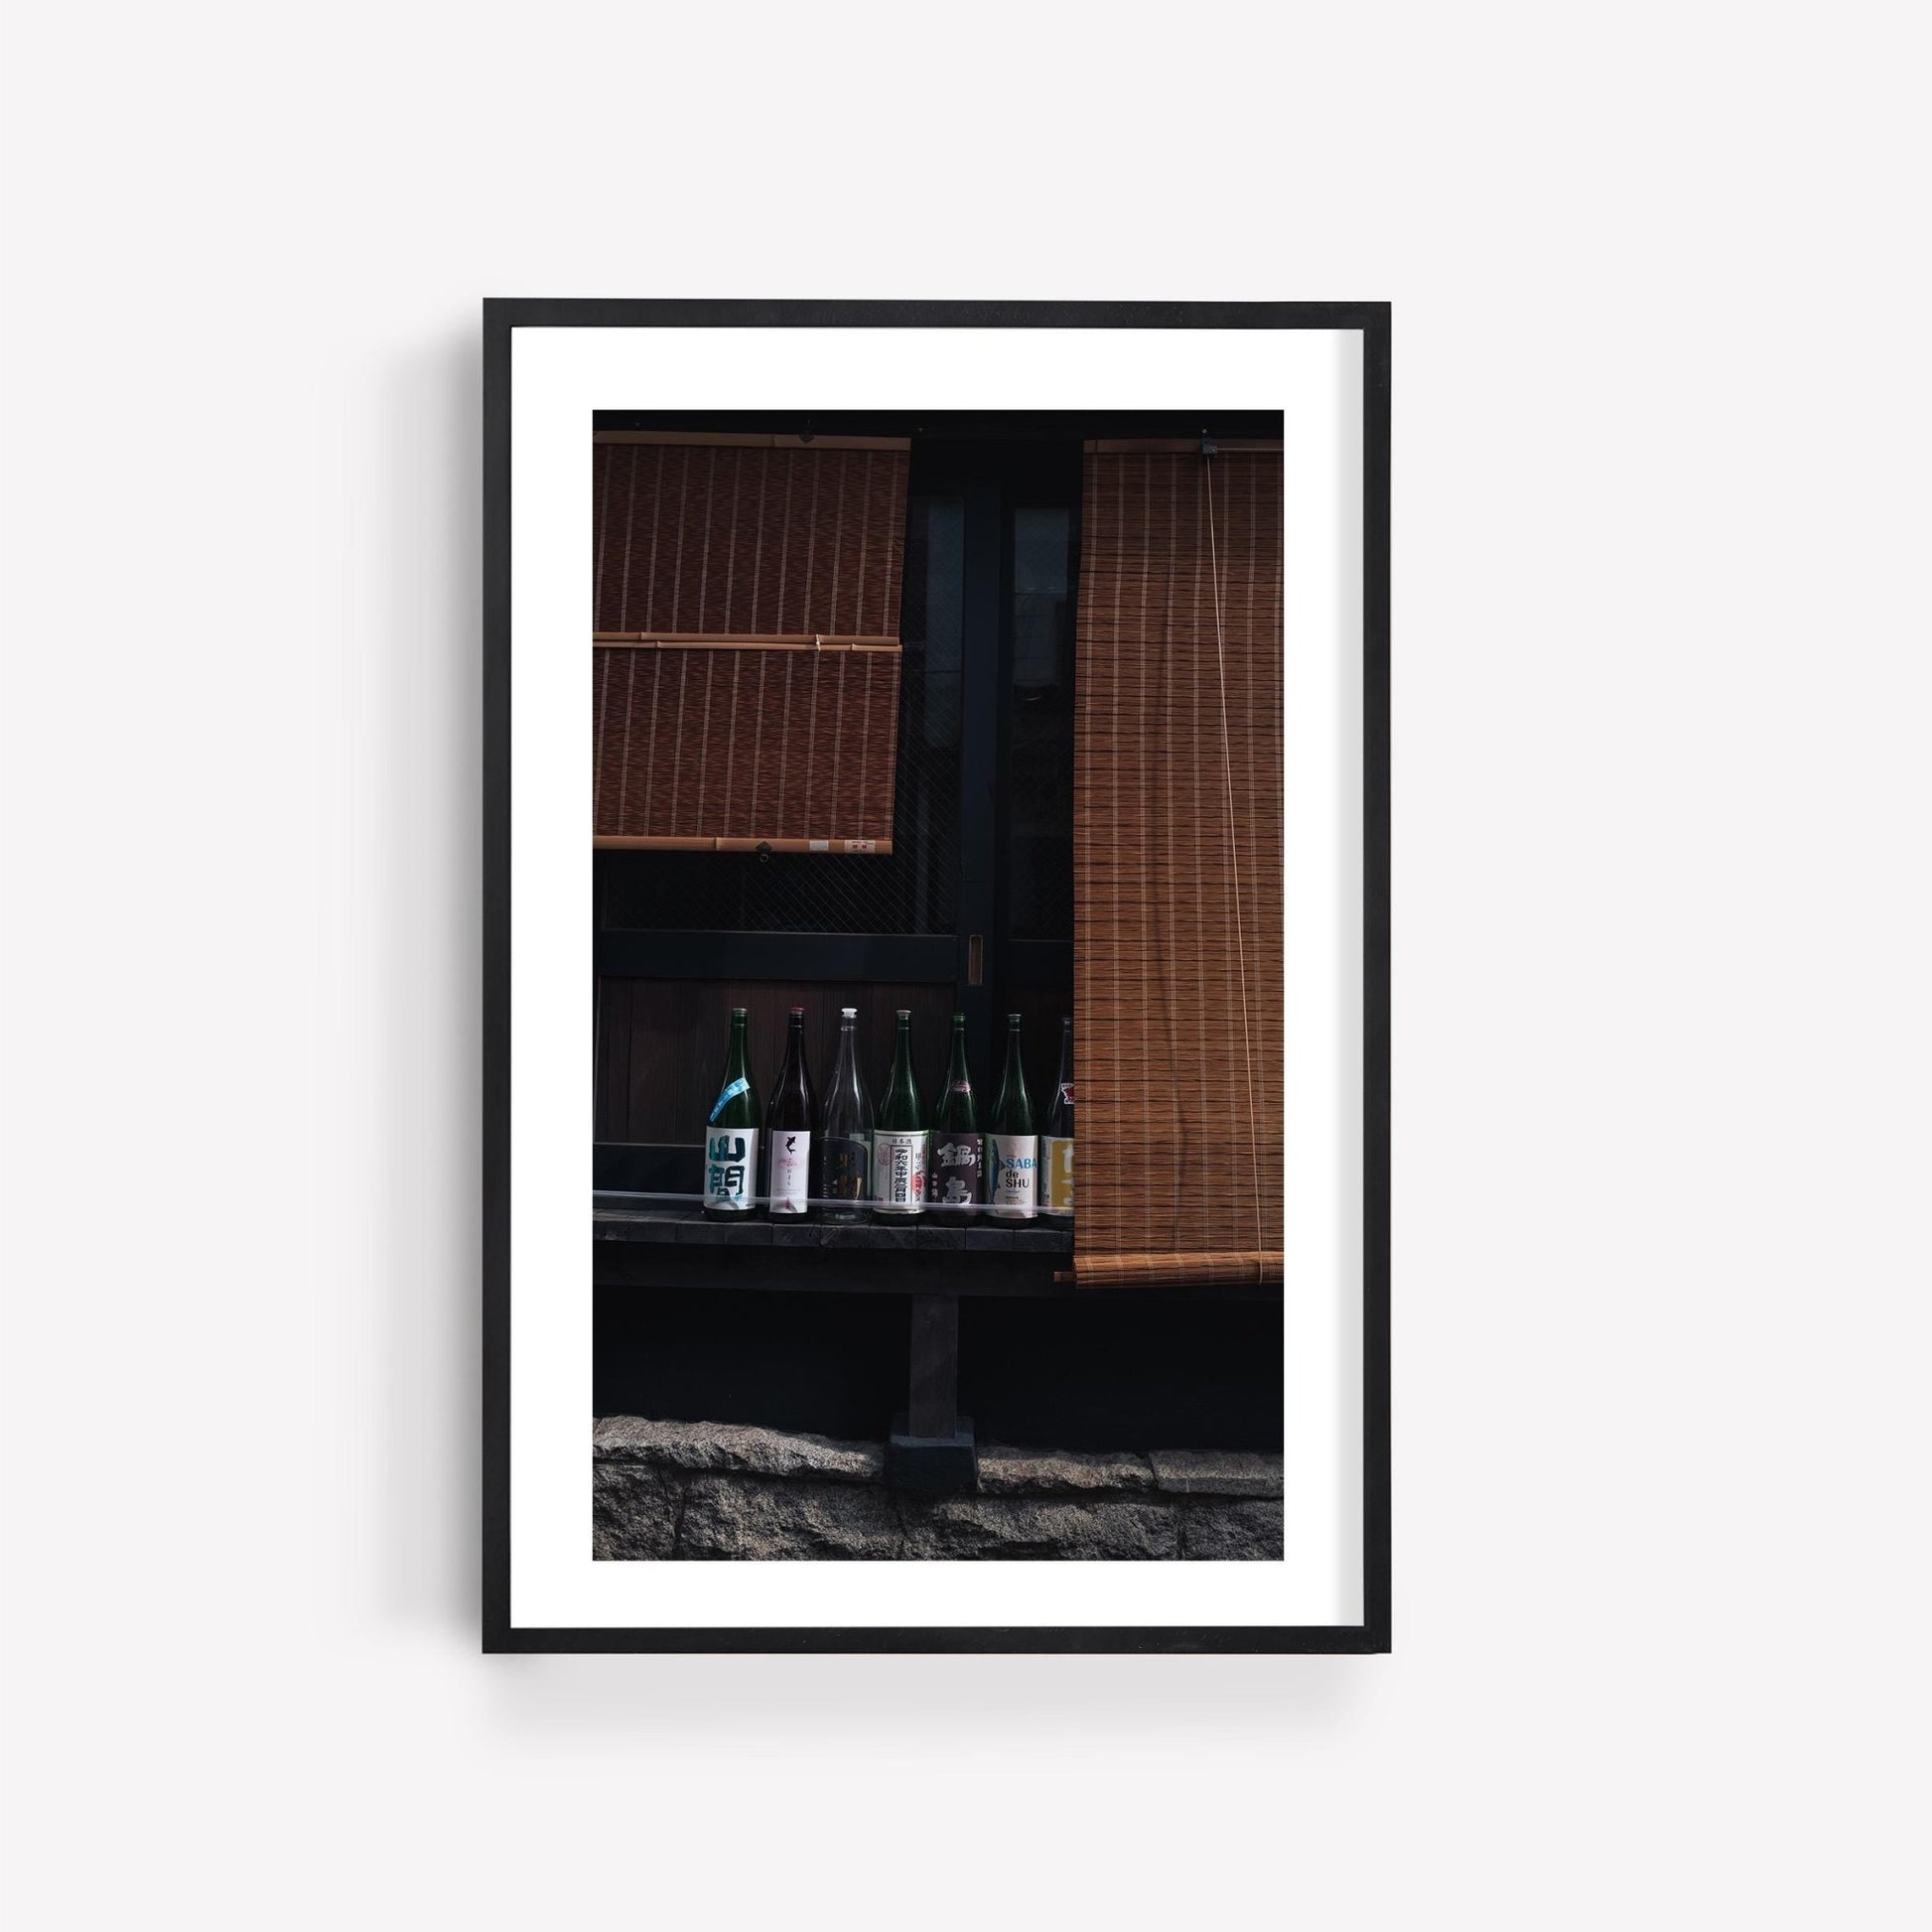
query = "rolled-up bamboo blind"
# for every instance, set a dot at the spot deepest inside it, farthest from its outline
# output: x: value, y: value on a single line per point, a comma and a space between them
x: 724, y: 540
x: 729, y: 746
x: 1177, y: 867
x: 745, y: 658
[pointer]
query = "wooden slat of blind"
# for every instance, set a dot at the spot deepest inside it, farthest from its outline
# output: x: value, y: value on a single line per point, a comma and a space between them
x: 723, y: 746
x: 1177, y: 869
x: 734, y: 540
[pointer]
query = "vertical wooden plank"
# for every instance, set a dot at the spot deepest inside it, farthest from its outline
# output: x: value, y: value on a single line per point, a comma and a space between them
x: 933, y: 1408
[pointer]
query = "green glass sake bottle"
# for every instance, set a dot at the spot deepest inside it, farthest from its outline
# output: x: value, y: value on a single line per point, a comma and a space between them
x: 1056, y: 1142
x: 731, y: 1135
x: 958, y: 1154
x: 898, y: 1141
x: 1013, y: 1147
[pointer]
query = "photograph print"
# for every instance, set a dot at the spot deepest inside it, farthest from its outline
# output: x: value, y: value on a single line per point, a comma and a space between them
x: 934, y: 757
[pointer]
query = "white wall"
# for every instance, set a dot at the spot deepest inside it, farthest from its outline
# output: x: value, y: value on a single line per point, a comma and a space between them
x: 1662, y: 939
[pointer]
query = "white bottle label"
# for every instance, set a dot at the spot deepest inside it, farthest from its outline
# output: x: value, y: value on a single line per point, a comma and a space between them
x: 899, y: 1170
x: 1056, y: 1173
x: 731, y: 1168
x: 1015, y: 1160
x: 791, y: 1169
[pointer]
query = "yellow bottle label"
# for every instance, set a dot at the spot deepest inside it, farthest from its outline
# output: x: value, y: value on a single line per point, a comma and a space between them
x: 1056, y: 1174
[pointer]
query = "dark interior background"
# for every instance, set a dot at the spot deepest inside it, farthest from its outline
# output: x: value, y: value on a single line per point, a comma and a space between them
x: 1094, y: 1370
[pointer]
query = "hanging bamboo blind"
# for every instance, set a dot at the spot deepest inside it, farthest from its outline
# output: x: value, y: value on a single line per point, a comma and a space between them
x: 726, y: 746
x: 744, y: 654
x: 1177, y: 867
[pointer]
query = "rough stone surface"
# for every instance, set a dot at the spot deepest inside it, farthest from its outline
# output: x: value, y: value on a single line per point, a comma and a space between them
x: 1216, y: 1473
x: 1021, y: 1527
x: 1220, y: 1532
x: 633, y: 1510
x: 1018, y: 1471
x: 702, y: 1491
x: 737, y: 1446
x: 743, y: 1517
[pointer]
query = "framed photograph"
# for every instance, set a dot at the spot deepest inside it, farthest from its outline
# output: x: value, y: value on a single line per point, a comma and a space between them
x: 936, y: 976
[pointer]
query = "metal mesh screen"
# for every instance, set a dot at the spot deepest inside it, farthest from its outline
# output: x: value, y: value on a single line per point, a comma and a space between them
x: 914, y: 889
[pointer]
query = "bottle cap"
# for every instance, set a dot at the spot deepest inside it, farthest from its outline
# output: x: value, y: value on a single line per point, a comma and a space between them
x: 848, y: 1013
x: 1012, y: 1019
x: 904, y: 1013
x: 798, y: 1012
x: 738, y: 1013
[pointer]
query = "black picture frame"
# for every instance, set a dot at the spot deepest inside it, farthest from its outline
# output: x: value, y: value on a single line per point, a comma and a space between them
x: 1373, y: 319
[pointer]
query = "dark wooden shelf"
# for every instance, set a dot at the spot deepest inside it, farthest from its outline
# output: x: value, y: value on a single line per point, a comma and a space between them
x: 671, y: 1247
x: 611, y: 1220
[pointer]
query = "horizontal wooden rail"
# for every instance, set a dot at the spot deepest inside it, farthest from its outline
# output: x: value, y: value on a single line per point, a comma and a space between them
x: 706, y: 439
x: 828, y: 957
x: 1181, y: 446
x: 655, y: 842
x: 707, y: 640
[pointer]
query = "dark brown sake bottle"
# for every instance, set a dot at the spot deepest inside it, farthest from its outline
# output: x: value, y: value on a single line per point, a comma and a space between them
x: 788, y: 1125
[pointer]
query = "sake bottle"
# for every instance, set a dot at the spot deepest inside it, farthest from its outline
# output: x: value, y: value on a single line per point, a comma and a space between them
x: 898, y: 1141
x: 957, y: 1151
x: 844, y: 1130
x: 788, y: 1126
x: 1013, y: 1148
x: 1056, y: 1144
x: 731, y: 1135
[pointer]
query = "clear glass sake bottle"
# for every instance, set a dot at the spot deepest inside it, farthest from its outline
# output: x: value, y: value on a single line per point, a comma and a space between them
x: 1013, y: 1147
x: 1056, y: 1142
x: 958, y: 1154
x: 899, y: 1140
x: 788, y: 1124
x: 844, y: 1130
x: 731, y: 1136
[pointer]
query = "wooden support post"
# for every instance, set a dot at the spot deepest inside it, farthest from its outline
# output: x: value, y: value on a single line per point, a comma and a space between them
x: 930, y: 1449
x: 933, y: 1410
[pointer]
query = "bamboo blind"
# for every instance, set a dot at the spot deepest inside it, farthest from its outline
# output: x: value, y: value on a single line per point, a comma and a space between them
x: 1177, y: 867
x: 746, y: 656
x: 724, y: 540
x: 727, y: 746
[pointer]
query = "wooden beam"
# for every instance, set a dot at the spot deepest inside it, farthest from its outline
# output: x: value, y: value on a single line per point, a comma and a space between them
x: 933, y: 1410
x: 1180, y: 445
x: 733, y: 440
x: 640, y: 841
x: 706, y: 640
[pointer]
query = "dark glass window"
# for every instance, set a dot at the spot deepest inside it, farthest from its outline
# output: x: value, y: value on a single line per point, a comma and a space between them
x: 1039, y: 799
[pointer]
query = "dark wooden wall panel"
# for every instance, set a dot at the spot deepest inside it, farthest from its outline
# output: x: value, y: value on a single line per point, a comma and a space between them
x: 660, y: 1045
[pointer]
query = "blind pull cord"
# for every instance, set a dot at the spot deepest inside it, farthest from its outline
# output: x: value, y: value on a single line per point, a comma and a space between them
x: 1234, y: 845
